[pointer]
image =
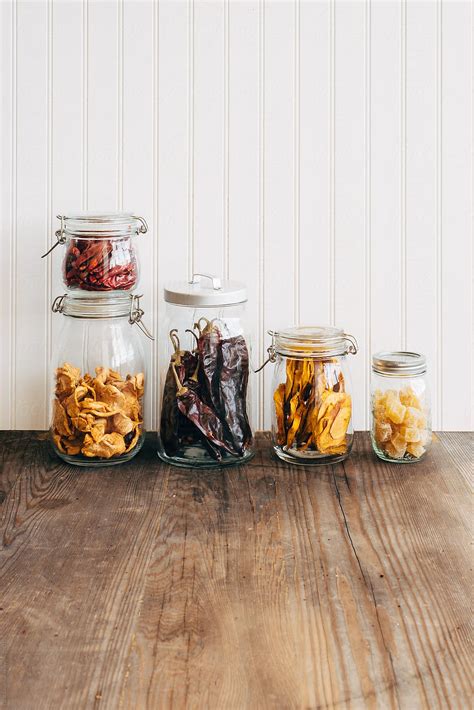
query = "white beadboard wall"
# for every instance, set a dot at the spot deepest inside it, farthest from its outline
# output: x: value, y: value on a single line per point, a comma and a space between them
x: 320, y: 151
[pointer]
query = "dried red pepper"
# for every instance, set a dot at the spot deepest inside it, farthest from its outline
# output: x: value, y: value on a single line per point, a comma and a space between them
x: 100, y: 265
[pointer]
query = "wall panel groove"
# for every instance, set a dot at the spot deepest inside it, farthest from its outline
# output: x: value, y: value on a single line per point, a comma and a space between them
x: 320, y: 151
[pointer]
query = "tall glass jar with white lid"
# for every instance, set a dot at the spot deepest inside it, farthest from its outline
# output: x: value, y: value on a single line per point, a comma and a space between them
x: 400, y: 417
x: 205, y: 366
x: 100, y: 250
x: 99, y: 379
x: 312, y: 394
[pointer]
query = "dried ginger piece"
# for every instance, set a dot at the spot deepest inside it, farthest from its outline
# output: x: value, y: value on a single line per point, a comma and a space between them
x: 396, y: 435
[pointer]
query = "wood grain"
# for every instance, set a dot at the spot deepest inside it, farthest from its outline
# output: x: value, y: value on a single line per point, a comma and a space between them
x: 262, y: 586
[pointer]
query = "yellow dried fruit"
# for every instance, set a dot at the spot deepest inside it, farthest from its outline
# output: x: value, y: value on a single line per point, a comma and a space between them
x: 400, y: 423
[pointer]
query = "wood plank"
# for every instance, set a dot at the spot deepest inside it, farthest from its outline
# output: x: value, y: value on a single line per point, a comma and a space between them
x: 265, y: 585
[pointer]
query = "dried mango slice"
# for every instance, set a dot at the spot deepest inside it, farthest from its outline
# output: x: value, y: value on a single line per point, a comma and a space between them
x: 279, y: 400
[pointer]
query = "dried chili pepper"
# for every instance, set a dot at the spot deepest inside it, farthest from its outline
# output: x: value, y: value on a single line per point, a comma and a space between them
x: 233, y: 374
x: 100, y: 265
x: 200, y: 414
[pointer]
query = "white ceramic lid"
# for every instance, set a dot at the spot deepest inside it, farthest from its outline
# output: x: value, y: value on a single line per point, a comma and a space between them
x: 205, y: 290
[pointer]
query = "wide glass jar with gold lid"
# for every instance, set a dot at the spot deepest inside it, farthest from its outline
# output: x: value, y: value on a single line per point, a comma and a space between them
x: 99, y: 379
x: 312, y: 394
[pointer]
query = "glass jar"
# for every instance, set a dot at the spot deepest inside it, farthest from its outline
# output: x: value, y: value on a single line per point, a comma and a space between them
x: 400, y: 418
x: 311, y: 394
x: 205, y: 357
x: 99, y: 380
x: 100, y: 251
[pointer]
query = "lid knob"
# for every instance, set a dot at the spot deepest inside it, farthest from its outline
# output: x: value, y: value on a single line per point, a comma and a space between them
x: 216, y: 282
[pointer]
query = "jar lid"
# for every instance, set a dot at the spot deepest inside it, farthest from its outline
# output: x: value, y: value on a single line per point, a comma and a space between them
x: 101, y: 225
x: 313, y: 341
x: 399, y: 363
x: 212, y: 292
x: 94, y: 305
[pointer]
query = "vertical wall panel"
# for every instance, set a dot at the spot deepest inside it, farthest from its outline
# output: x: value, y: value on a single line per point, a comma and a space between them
x: 350, y: 192
x: 314, y: 163
x: 7, y: 202
x: 31, y: 296
x: 320, y: 151
x: 421, y: 179
x: 173, y: 118
x: 102, y: 117
x: 136, y: 160
x: 455, y: 218
x: 243, y: 160
x: 279, y: 197
x: 385, y: 173
x: 208, y: 156
x: 66, y: 147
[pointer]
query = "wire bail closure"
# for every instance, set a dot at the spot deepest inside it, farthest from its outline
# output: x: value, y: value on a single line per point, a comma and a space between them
x: 136, y: 313
x: 353, y: 348
x: 271, y: 351
x: 59, y: 234
x: 58, y: 303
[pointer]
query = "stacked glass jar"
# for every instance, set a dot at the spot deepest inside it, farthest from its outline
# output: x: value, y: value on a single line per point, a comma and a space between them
x: 99, y: 380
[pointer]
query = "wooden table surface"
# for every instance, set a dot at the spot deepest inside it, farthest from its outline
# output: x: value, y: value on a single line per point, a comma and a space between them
x: 261, y: 586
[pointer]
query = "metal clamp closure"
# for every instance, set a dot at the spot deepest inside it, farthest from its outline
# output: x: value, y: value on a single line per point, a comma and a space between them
x: 270, y: 351
x: 136, y: 314
x: 353, y: 348
x: 59, y: 234
x: 58, y: 303
x: 143, y: 229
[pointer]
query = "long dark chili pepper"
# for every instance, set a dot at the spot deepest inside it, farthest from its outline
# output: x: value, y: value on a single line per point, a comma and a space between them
x: 233, y: 368
x: 202, y: 416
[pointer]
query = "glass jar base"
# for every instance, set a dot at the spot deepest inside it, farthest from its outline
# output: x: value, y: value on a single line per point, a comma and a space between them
x: 316, y: 459
x: 86, y: 462
x: 198, y: 457
x: 388, y: 459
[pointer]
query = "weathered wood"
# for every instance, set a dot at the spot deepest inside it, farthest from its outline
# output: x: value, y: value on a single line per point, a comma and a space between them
x: 261, y: 586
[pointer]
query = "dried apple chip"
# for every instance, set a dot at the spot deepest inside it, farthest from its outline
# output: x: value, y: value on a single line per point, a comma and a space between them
x: 109, y: 445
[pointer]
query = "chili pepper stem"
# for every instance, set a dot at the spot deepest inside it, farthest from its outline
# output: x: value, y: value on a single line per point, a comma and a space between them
x: 179, y: 387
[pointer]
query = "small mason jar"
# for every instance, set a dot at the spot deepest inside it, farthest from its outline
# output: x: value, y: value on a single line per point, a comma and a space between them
x: 311, y: 394
x: 99, y: 379
x: 205, y: 364
x: 400, y: 421
x: 100, y: 251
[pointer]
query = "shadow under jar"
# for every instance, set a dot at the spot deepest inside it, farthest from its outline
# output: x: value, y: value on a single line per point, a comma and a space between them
x: 205, y: 364
x: 400, y: 422
x: 311, y: 394
x: 99, y: 379
x: 100, y: 251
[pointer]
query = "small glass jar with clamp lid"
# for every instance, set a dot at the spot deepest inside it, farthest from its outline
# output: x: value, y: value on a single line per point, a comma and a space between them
x: 311, y: 394
x: 99, y: 379
x: 400, y: 417
x: 205, y: 359
x: 100, y: 250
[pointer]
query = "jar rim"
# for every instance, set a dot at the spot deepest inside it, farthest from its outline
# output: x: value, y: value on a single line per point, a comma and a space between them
x: 95, y: 306
x: 102, y: 225
x: 399, y: 363
x: 313, y: 341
